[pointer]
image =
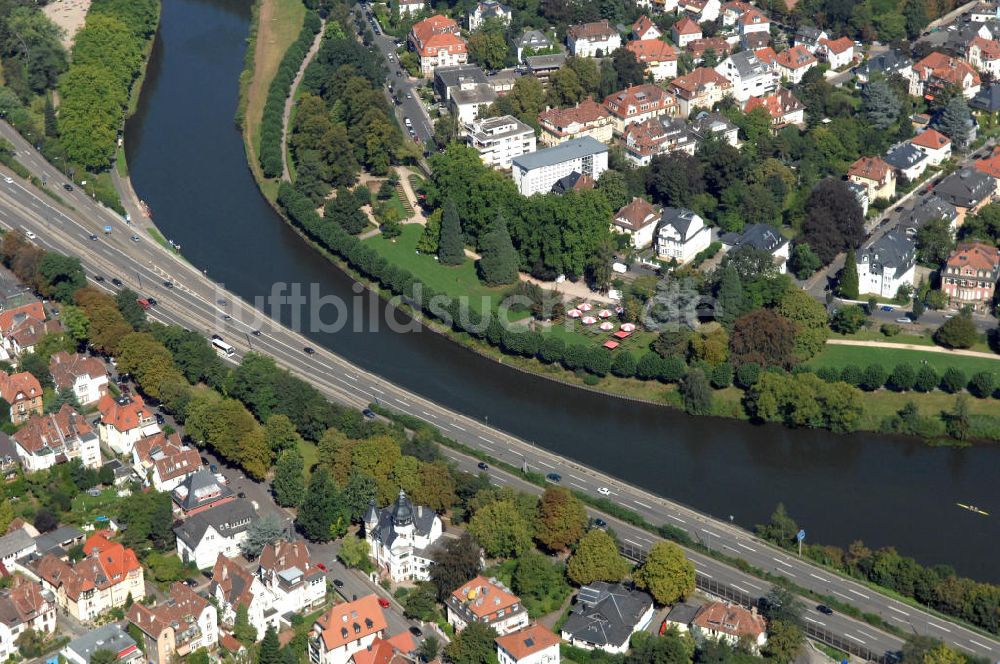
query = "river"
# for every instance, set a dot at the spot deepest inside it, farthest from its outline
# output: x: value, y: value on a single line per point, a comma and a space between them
x: 187, y: 161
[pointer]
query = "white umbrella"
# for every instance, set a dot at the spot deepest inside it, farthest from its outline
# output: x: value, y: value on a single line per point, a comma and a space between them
x: 574, y: 313
x: 604, y: 313
x: 606, y: 325
x: 628, y: 327
x: 588, y: 320
x: 586, y: 306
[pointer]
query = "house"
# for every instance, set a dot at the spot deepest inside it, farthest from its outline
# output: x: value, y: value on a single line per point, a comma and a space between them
x: 655, y: 136
x: 85, y: 376
x: 465, y: 101
x: 929, y: 208
x: 184, y: 623
x: 400, y: 535
x: 124, y: 420
x: 16, y: 544
x: 295, y: 583
x: 200, y: 491
x: 437, y: 43
x: 455, y: 76
x: 810, y: 38
x: 876, y: 175
x: 702, y: 11
x: 488, y: 602
x: 990, y: 165
x: 885, y: 64
x: 684, y: 32
x: 24, y: 336
x: 886, y: 264
x: 939, y: 71
x: 233, y: 587
x: 58, y: 541
x: 860, y: 195
x: 680, y: 617
x: 755, y: 40
x: 593, y: 40
x: 221, y: 530
x: 587, y: 118
x: 503, y: 81
x: 346, y: 629
x: 969, y: 277
x: 702, y: 88
x: 539, y: 171
x: 731, y: 12
x: 110, y: 576
x: 410, y: 7
x: 46, y: 440
x: 699, y: 47
x: 163, y: 461
x: 794, y: 62
x: 531, y: 42
x: 499, y: 140
x: 984, y: 11
x: 606, y: 616
x: 838, y: 53
x: 908, y: 160
x: 682, y: 234
x: 934, y: 144
x: 639, y: 103
x: 532, y: 645
x: 639, y: 220
x: 659, y: 57
x: 730, y: 624
x: 984, y: 55
x: 783, y: 107
x: 710, y: 123
x: 24, y: 606
x: 488, y: 10
x: 24, y: 394
x: 762, y: 237
x: 645, y: 29
x: 968, y: 190
x: 753, y: 21
x: 18, y: 318
x: 398, y: 649
x: 109, y: 637
x: 987, y: 100
x: 543, y: 66
x: 575, y: 181
x: 750, y: 76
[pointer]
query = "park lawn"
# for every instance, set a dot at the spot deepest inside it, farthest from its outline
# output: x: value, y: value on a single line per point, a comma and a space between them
x: 85, y: 508
x: 394, y: 202
x: 840, y: 356
x: 310, y: 454
x: 885, y: 403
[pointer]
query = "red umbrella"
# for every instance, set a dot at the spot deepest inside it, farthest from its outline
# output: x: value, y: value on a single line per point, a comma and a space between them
x: 588, y: 320
x: 586, y: 306
x: 574, y: 313
x: 628, y: 327
x: 604, y: 313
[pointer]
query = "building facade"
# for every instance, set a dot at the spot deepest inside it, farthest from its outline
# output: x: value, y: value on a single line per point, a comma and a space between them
x: 539, y: 171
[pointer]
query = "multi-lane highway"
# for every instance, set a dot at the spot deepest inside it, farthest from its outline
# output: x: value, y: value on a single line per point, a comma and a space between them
x: 197, y: 303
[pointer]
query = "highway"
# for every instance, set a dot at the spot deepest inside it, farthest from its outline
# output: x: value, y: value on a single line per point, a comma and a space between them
x: 196, y: 302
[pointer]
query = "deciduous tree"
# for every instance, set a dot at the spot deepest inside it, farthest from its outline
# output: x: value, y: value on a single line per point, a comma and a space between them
x: 289, y: 481
x: 957, y: 332
x: 834, y: 222
x: 596, y: 558
x: 666, y: 573
x: 763, y: 337
x: 561, y: 519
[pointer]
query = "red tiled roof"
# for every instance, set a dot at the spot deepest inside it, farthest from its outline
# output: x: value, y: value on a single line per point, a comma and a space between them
x: 686, y: 26
x: 694, y: 84
x: 65, y: 368
x: 181, y: 611
x: 351, y: 621
x: 652, y: 50
x: 766, y: 55
x: 10, y: 318
x: 730, y: 619
x: 698, y: 47
x: 386, y: 651
x: 123, y: 413
x: 586, y: 112
x: 482, y: 597
x: 527, y: 641
x: 989, y: 49
x: 838, y: 46
x: 107, y: 564
x: 52, y: 430
x: 642, y: 25
x: 990, y: 165
x: 778, y: 104
x: 796, y: 57
x: 631, y: 101
x: 26, y: 598
x: 945, y: 68
x: 236, y: 583
x: 639, y: 213
x: 285, y: 555
x: 976, y: 255
x: 30, y: 331
x: 870, y: 168
x: 18, y: 387
x: 930, y: 139
x: 437, y: 33
x: 754, y: 17
x: 168, y: 455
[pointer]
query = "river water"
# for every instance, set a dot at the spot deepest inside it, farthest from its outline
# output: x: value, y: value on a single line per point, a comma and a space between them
x: 187, y: 161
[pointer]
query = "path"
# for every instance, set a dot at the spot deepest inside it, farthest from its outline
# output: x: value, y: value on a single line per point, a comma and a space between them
x: 289, y: 102
x: 928, y: 349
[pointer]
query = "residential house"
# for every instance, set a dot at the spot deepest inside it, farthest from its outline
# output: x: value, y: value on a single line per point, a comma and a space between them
x: 593, y: 40
x: 644, y: 28
x: 398, y: 649
x: 15, y: 545
x: 455, y: 76
x: 810, y: 38
x: 990, y: 165
x: 437, y: 43
x: 908, y: 160
x: 984, y: 55
x: 465, y: 101
x: 730, y: 623
x: 697, y: 48
x: 702, y: 11
x: 702, y: 88
x: 685, y: 31
x: 108, y: 577
x: 108, y: 637
x: 885, y: 64
x: 488, y: 602
x: 968, y: 190
x: 587, y: 118
x: 410, y: 7
x: 886, y: 264
x: 929, y: 208
x: 163, y: 461
x: 31, y: 313
x: 85, y: 376
x: 488, y: 10
x: 184, y: 623
x: 401, y: 535
x: 60, y: 437
x: 861, y: 196
x: 25, y: 335
x: 543, y: 66
x: 783, y: 107
x: 839, y: 53
x: 939, y: 71
x: 25, y: 605
x: 662, y: 6
x: 531, y: 42
x: 755, y: 40
x: 58, y: 541
x: 658, y: 57
x: 934, y: 144
x: 682, y: 234
x: 794, y: 62
x: 532, y: 645
x: 346, y: 629
x: 876, y: 175
x: 710, y: 123
x: 987, y: 100
x: 680, y: 617
x: 499, y: 140
x: 655, y: 136
x: 639, y: 103
x: 970, y: 275
x: 221, y: 530
x: 606, y: 616
x: 753, y: 21
x: 232, y: 587
x: 750, y: 76
x: 762, y: 237
x: 200, y: 491
x: 638, y: 220
x: 731, y: 12
x: 503, y: 81
x: 575, y: 181
x: 539, y: 171
x: 24, y: 394
x: 294, y: 582
x: 984, y: 11
x: 124, y: 420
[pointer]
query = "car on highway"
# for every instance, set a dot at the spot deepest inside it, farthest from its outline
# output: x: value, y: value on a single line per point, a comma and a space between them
x: 93, y: 236
x: 152, y: 301
x: 903, y: 320
x: 168, y: 284
x: 98, y: 278
x: 554, y: 477
x: 134, y: 238
x: 482, y: 465
x: 604, y: 491
x: 886, y: 307
x: 338, y: 583
x: 216, y: 337
x: 369, y: 413
x: 116, y: 282
x: 600, y: 523
x: 309, y: 350
x: 68, y: 187
x: 256, y: 333
x: 8, y: 179
x: 825, y: 610
x: 29, y: 235
x: 383, y: 602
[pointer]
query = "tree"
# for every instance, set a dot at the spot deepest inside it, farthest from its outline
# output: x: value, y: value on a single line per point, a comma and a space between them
x: 630, y: 71
x: 847, y: 280
x: 942, y: 654
x: 473, y: 645
x: 45, y: 521
x: 104, y: 656
x: 614, y: 187
x: 763, y: 337
x: 675, y: 178
x: 454, y: 565
x: 243, y: 630
x: 260, y: 533
x: 957, y: 332
x: 804, y: 262
x: 561, y: 519
x: 811, y: 322
x: 953, y: 380
x: 981, y: 384
x: 354, y: 552
x: 430, y: 648
x: 6, y: 515
x: 499, y: 262
x: 956, y: 121
x: 596, y: 558
x: 501, y: 529
x: 488, y: 48
x: 666, y: 573
x: 934, y: 242
x: 902, y: 378
x: 833, y: 222
x: 874, y: 377
x: 451, y: 246
x: 696, y: 392
x: 730, y: 301
x: 269, y: 651
x: 281, y: 434
x: 624, y: 365
x: 780, y: 604
x: 957, y: 422
x: 784, y: 642
x: 289, y: 485
x: 880, y: 104
x: 322, y: 510
x: 927, y: 379
x: 780, y: 529
x: 915, y: 13
x: 848, y: 320
x: 536, y: 576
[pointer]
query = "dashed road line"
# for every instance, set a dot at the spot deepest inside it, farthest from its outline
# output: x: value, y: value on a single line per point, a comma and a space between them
x: 818, y: 622
x: 641, y: 504
x: 726, y: 546
x: 842, y: 595
x: 981, y: 645
x: 783, y: 571
x: 459, y: 427
x: 816, y: 576
x: 676, y: 518
x: 854, y: 638
x: 892, y: 608
x: 744, y: 546
x: 742, y: 590
x: 937, y: 626
x: 780, y: 561
x: 484, y: 439
x: 870, y: 636
x: 429, y: 414
x: 711, y: 533
x: 547, y: 465
x: 852, y: 590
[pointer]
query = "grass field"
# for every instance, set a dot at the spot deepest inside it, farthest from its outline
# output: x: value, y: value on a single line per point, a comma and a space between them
x: 840, y: 356
x: 310, y: 454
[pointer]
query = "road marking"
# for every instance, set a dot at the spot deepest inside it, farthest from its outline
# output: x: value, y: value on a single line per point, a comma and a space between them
x: 816, y: 576
x: 892, y: 608
x: 981, y: 645
x: 576, y: 478
x: 676, y: 518
x: 429, y: 414
x: 748, y: 548
x: 711, y: 533
x: 500, y: 478
x: 785, y: 572
x: 752, y: 585
x: 641, y: 504
x: 354, y: 378
x: 854, y: 638
x: 815, y: 621
x: 704, y: 574
x: 742, y: 590
x: 484, y: 439
x: 726, y: 546
x: 896, y: 619
x: 579, y: 485
x: 401, y: 401
x: 940, y: 627
x: 780, y: 561
x: 547, y: 465
x: 852, y: 590
x: 870, y: 636
x: 842, y: 595
x: 632, y: 542
x: 458, y: 427
x: 513, y: 451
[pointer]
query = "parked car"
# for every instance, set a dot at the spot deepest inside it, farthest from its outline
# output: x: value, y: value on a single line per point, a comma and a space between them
x: 600, y: 523
x: 321, y: 567
x: 338, y: 583
x: 369, y: 413
x: 554, y: 477
x: 68, y: 187
x: 415, y: 631
x: 116, y: 282
x: 383, y: 602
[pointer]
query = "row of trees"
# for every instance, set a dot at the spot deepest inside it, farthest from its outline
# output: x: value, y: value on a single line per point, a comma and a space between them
x: 30, y: 48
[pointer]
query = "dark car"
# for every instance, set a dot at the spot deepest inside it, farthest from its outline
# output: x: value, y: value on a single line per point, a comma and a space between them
x: 191, y: 583
x: 256, y: 333
x: 168, y: 284
x: 160, y: 420
x: 415, y: 631
x: 216, y: 337
x: 241, y: 495
x: 369, y: 413
x: 338, y: 583
x: 116, y: 281
x: 93, y: 236
x: 825, y: 610
x: 309, y: 350
x: 68, y: 187
x: 213, y: 468
x: 482, y: 465
x: 98, y: 278
x: 554, y: 477
x: 600, y: 523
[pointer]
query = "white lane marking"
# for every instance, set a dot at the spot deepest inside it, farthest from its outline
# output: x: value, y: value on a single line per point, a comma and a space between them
x: 354, y: 378
x: 576, y: 478
x: 632, y: 542
x: 704, y: 574
x: 896, y: 619
x: 500, y: 479
x: 852, y: 590
x: 726, y: 546
x: 484, y: 439
x: 981, y: 645
x: 742, y: 590
x: 940, y: 627
x: 513, y: 451
x: 842, y: 595
x: 460, y: 428
x: 579, y: 485
x: 401, y: 401
x: 783, y: 571
x: 752, y: 585
x: 816, y: 576
x: 780, y: 561
x: 676, y: 518
x: 892, y: 608
x: 547, y: 465
x: 375, y: 389
x: 854, y: 638
x: 429, y: 414
x: 818, y: 622
x: 748, y: 548
x: 641, y: 504
x: 870, y: 636
x: 711, y: 533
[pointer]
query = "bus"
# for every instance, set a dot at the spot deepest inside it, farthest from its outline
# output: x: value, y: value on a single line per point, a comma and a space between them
x: 222, y: 348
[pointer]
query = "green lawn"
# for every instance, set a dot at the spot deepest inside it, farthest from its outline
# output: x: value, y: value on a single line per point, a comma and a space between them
x: 839, y: 356
x: 310, y: 454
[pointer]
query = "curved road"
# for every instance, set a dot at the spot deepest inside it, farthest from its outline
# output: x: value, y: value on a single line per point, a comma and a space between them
x: 197, y: 303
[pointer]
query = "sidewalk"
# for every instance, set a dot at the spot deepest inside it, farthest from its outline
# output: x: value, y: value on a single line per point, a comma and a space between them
x: 291, y: 99
x: 929, y: 349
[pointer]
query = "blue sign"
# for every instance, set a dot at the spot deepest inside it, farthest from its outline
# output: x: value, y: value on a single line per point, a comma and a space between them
x: 801, y: 535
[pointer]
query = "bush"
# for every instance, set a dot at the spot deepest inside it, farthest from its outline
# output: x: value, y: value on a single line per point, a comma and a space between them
x: 902, y: 378
x: 722, y: 376
x: 851, y: 375
x: 829, y: 374
x: 981, y: 384
x: 957, y: 332
x: 953, y: 380
x: 624, y: 365
x: 747, y: 375
x: 672, y: 369
x: 649, y: 367
x: 890, y: 329
x: 927, y: 379
x: 873, y: 377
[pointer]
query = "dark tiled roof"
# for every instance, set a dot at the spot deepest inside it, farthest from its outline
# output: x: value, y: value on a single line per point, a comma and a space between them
x: 892, y: 250
x: 228, y: 519
x: 965, y: 188
x: 606, y: 614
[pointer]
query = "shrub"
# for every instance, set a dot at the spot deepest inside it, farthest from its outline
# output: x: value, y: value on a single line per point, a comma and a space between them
x: 902, y: 378
x: 722, y: 376
x: 747, y: 375
x: 927, y: 379
x: 829, y: 374
x: 649, y: 367
x: 957, y: 332
x: 953, y: 380
x: 851, y: 375
x: 890, y: 329
x: 873, y: 377
x: 672, y: 369
x: 624, y: 365
x: 981, y: 384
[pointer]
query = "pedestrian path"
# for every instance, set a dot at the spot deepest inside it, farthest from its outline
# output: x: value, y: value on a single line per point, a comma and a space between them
x: 927, y: 349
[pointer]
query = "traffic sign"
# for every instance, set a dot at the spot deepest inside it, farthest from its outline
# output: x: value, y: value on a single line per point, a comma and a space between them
x: 801, y: 535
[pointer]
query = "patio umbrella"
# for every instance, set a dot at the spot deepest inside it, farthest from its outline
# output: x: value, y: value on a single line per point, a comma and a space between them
x: 588, y: 320
x: 586, y: 306
x: 628, y: 327
x: 606, y: 326
x: 574, y: 313
x: 604, y: 313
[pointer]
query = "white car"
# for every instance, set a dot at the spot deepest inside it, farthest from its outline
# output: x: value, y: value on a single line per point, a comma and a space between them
x: 604, y: 491
x: 8, y: 179
x: 29, y: 235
